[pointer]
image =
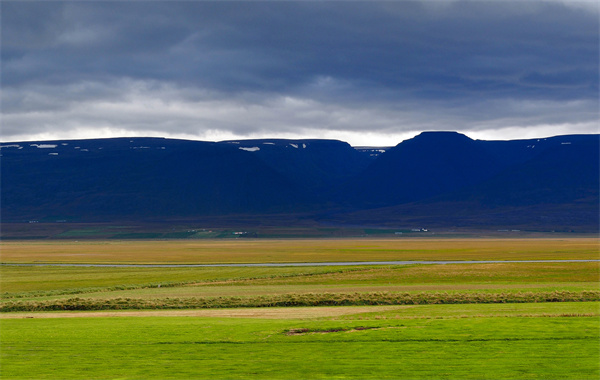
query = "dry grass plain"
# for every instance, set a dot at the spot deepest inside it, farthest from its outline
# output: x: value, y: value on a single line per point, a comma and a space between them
x: 296, y: 250
x: 45, y: 283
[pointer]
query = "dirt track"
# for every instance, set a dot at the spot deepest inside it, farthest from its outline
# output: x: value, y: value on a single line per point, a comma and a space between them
x: 275, y: 313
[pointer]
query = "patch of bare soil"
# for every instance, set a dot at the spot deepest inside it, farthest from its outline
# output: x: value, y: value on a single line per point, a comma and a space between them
x: 305, y: 331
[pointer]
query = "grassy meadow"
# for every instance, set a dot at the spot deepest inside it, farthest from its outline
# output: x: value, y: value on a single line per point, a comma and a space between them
x: 453, y: 321
x: 556, y: 340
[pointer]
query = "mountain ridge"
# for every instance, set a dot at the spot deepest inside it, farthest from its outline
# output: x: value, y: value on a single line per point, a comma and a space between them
x: 444, y: 177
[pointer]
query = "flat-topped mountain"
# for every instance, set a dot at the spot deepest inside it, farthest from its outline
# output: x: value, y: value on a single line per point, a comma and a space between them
x: 442, y: 178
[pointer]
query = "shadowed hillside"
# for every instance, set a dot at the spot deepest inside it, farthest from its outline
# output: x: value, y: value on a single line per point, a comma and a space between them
x: 436, y: 178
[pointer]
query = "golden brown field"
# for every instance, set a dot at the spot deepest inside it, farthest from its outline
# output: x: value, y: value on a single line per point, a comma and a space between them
x: 297, y: 250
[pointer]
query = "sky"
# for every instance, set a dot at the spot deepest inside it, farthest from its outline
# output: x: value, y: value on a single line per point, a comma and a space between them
x: 371, y: 73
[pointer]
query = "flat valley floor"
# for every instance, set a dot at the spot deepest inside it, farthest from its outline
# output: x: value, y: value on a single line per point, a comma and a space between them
x: 454, y: 321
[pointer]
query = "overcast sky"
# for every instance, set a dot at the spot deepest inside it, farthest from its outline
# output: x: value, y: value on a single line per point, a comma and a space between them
x: 369, y: 73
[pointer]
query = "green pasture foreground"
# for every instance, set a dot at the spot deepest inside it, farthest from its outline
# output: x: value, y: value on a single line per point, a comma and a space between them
x: 538, y: 341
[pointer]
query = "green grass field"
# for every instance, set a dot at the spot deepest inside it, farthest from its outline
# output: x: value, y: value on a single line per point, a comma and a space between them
x: 453, y: 321
x: 551, y: 340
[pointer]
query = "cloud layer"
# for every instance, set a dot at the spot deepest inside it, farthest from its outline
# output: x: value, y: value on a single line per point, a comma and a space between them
x: 363, y: 72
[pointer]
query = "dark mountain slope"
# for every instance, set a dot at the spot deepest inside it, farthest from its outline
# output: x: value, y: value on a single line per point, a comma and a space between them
x: 137, y: 178
x: 312, y: 164
x: 562, y: 173
x: 434, y: 179
x: 431, y: 163
x: 557, y: 189
x: 512, y: 152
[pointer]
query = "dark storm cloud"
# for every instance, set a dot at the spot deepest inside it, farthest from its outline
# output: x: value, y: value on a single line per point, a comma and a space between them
x: 472, y: 65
